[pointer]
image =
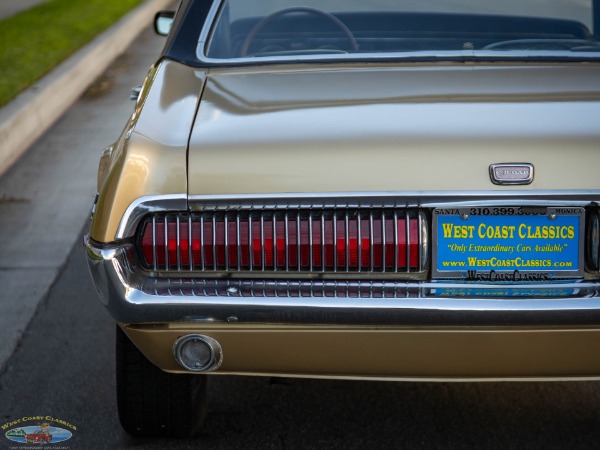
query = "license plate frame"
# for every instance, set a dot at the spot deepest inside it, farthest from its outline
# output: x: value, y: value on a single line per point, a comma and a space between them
x: 508, y: 243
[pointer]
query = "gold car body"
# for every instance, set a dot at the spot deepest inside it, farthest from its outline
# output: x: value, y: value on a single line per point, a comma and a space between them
x: 424, y: 133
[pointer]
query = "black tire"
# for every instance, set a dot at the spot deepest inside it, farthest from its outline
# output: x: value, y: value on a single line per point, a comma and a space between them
x: 156, y: 403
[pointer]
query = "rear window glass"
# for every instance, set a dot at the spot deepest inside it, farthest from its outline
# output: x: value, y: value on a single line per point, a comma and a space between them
x: 250, y: 29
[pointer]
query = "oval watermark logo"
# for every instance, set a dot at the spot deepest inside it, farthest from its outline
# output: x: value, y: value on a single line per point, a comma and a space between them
x: 41, y: 433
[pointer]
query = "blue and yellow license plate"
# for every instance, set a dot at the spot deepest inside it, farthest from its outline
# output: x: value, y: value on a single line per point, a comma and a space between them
x: 508, y: 243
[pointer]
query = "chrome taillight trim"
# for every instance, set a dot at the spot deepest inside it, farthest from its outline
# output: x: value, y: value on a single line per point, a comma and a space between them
x: 407, y: 199
x: 424, y: 240
x: 134, y: 297
x: 340, y: 249
x: 147, y: 205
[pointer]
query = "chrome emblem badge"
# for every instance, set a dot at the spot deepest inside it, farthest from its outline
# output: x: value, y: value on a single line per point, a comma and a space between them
x: 511, y: 173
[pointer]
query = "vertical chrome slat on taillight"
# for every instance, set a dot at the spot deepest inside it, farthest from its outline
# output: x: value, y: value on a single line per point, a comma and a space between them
x: 178, y: 245
x: 214, y: 242
x: 190, y: 249
x: 335, y: 239
x: 396, y: 243
x: 371, y: 240
x: 286, y: 244
x: 250, y: 242
x: 202, y: 244
x: 310, y: 241
x: 262, y: 242
x: 322, y: 241
x: 166, y: 225
x: 154, y: 253
x: 359, y: 234
x: 298, y: 241
x: 407, y: 231
x: 347, y: 238
x: 274, y: 242
x: 238, y: 241
x: 383, y: 241
x: 226, y: 238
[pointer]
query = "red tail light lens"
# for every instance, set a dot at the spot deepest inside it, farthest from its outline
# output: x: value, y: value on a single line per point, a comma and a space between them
x: 323, y: 241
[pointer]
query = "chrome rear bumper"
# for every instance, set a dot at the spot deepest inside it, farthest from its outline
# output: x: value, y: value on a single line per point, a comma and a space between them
x: 134, y: 297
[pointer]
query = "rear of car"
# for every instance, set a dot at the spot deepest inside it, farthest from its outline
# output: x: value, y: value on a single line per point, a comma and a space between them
x: 354, y: 191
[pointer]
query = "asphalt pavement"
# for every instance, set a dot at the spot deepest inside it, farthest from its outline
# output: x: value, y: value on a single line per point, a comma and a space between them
x: 45, y: 198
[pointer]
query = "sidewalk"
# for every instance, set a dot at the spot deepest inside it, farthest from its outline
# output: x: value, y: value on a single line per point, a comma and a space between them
x: 11, y: 7
x: 45, y: 197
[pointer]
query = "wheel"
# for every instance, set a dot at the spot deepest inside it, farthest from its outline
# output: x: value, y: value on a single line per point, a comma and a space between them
x: 295, y: 9
x: 156, y: 403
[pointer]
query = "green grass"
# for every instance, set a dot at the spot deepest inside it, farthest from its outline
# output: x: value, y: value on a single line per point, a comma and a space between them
x: 33, y: 42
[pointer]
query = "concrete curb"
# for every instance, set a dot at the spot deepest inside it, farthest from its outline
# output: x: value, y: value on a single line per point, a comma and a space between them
x: 30, y: 114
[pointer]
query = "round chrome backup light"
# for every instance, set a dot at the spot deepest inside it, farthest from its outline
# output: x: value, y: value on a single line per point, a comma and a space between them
x: 198, y: 353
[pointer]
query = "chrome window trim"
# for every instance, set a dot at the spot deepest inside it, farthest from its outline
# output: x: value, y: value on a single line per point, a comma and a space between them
x: 207, y: 27
x: 408, y: 199
x: 450, y: 56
